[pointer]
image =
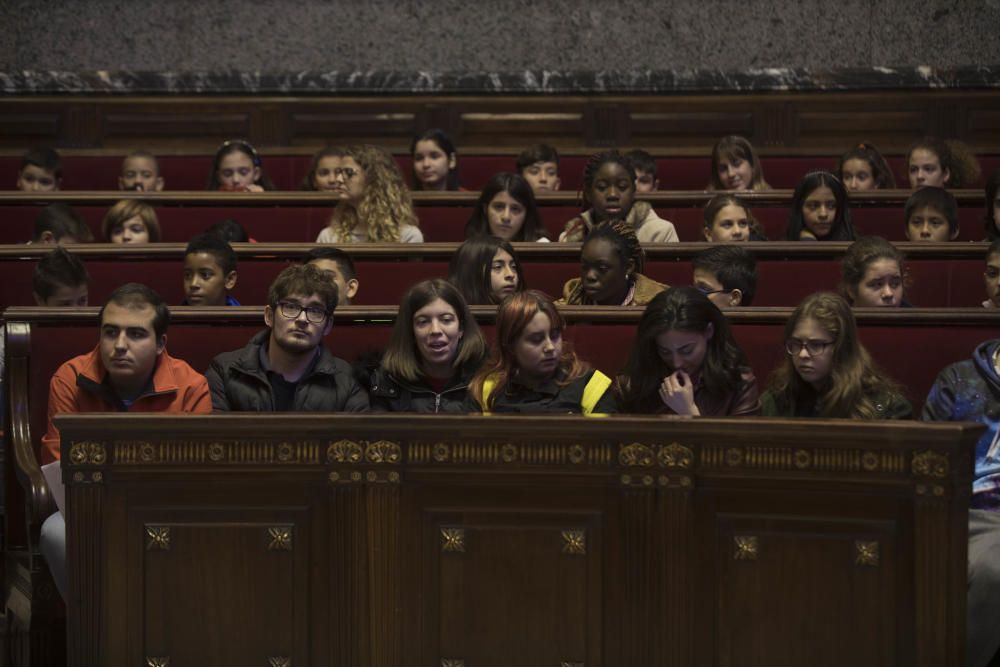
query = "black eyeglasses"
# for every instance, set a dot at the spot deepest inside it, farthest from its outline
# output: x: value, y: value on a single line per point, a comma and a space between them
x: 709, y: 292
x: 346, y: 172
x: 814, y: 347
x: 291, y: 310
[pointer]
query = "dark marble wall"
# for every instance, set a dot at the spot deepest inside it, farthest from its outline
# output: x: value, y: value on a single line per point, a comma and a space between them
x: 494, y: 35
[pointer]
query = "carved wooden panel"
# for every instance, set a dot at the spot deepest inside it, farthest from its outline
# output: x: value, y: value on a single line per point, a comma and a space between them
x: 21, y: 130
x: 841, y: 576
x: 515, y: 560
x: 677, y: 127
x: 223, y: 574
x: 139, y: 127
x: 839, y: 128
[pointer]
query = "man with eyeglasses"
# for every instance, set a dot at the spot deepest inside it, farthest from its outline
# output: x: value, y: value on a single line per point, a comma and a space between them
x: 286, y: 366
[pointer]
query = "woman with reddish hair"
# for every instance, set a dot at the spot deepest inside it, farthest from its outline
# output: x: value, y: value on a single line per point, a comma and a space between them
x: 532, y: 369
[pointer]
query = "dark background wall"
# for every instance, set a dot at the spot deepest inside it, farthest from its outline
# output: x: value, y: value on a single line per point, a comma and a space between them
x: 495, y: 35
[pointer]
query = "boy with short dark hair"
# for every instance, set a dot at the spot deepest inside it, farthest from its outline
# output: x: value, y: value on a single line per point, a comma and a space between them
x: 60, y: 280
x: 230, y: 231
x: 59, y: 223
x: 40, y: 170
x: 141, y: 172
x: 931, y: 215
x: 209, y: 272
x: 726, y: 274
x: 645, y: 170
x: 339, y: 266
x: 539, y: 165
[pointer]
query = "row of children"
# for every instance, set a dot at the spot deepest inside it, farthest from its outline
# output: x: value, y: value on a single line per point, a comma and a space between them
x: 375, y: 206
x: 237, y: 167
x: 486, y: 270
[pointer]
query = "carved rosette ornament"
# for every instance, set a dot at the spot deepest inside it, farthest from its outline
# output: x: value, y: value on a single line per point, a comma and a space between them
x: 157, y: 538
x: 636, y: 455
x: 158, y: 662
x: 452, y: 662
x: 279, y: 661
x: 344, y: 451
x: 279, y: 538
x: 930, y: 464
x: 675, y: 455
x: 747, y: 547
x: 574, y: 542
x: 383, y: 451
x: 453, y: 540
x: 866, y: 553
x: 88, y: 453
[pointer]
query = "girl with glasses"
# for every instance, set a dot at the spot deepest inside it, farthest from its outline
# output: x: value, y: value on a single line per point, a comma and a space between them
x: 373, y: 203
x: 685, y: 361
x: 827, y: 372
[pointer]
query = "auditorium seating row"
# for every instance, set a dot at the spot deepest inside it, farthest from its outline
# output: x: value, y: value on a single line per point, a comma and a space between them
x: 940, y: 275
x: 443, y: 218
x: 190, y: 172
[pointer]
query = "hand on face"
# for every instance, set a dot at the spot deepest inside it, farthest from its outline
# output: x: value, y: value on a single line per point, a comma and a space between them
x: 677, y: 393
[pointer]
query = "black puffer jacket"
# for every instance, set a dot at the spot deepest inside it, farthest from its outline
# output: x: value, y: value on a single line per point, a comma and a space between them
x: 239, y: 383
x: 389, y: 394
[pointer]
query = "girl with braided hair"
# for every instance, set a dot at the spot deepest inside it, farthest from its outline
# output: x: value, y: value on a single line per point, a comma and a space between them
x: 374, y: 204
x: 611, y: 264
x: 864, y: 168
x: 609, y: 192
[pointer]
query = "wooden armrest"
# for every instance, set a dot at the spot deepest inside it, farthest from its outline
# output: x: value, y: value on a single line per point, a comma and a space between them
x: 38, y: 501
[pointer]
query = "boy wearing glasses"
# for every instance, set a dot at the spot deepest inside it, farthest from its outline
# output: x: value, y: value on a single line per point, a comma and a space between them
x: 726, y: 274
x: 286, y: 366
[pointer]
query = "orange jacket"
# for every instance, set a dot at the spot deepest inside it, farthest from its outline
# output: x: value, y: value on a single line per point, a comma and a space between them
x: 76, y: 387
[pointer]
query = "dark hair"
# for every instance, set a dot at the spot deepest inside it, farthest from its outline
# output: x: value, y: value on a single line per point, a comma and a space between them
x: 680, y: 309
x: 954, y: 157
x: 733, y: 266
x: 994, y: 249
x: 640, y: 159
x: 534, y: 154
x: 518, y: 188
x: 62, y: 221
x: 57, y: 269
x: 936, y: 198
x: 470, y: 268
x: 344, y: 262
x: 304, y: 279
x: 989, y: 221
x: 43, y: 157
x: 594, y: 164
x: 402, y: 357
x: 143, y: 153
x: 719, y: 202
x: 842, y: 230
x: 736, y: 147
x: 514, y: 314
x: 230, y: 231
x: 238, y: 146
x: 881, y: 172
x: 210, y: 244
x: 309, y: 180
x: 444, y: 142
x: 136, y: 296
x: 859, y: 256
x: 622, y: 238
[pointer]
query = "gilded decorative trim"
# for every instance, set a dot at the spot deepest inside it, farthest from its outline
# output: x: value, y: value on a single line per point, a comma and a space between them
x: 529, y: 453
x: 279, y: 538
x: 279, y: 661
x: 157, y: 538
x: 158, y: 662
x: 636, y: 455
x: 452, y: 662
x: 229, y: 452
x: 574, y: 542
x: 383, y: 451
x: 453, y: 540
x: 675, y: 455
x: 790, y: 458
x: 866, y: 553
x: 747, y: 547
x: 88, y: 453
x: 930, y: 464
x: 344, y: 451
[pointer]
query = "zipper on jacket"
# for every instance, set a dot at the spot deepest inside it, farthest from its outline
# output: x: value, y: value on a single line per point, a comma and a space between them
x: 437, y: 402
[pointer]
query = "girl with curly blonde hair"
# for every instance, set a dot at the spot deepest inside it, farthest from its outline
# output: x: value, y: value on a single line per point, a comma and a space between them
x: 374, y: 205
